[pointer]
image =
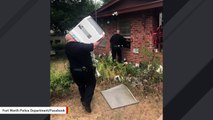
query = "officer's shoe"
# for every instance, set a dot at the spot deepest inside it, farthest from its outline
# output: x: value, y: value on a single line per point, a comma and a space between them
x: 88, y: 108
x: 83, y: 103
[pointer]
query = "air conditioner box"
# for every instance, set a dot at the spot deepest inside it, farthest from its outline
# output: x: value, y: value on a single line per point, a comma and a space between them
x: 87, y: 31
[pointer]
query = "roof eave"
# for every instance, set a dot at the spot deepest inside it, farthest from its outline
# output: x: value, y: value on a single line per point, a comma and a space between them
x: 141, y: 7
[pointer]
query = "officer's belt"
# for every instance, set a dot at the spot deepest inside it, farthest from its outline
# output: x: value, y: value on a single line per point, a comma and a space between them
x: 80, y: 69
x: 117, y: 45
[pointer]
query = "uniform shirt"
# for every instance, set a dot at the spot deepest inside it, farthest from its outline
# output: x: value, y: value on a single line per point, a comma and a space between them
x: 79, y: 54
x: 117, y: 39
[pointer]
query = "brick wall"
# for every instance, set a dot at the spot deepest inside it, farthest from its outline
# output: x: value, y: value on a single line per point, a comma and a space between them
x: 142, y: 26
x: 108, y: 28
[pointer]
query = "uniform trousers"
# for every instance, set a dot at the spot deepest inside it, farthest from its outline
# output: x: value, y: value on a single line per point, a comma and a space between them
x: 86, y: 83
x: 116, y: 51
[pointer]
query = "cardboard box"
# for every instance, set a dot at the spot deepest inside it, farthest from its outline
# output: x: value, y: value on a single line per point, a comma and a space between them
x: 87, y: 31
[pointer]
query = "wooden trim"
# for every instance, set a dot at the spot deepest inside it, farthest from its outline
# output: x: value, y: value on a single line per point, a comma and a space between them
x: 141, y: 7
x: 107, y: 5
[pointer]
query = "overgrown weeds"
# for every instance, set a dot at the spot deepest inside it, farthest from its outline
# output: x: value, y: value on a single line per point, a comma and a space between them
x: 145, y: 77
x: 60, y: 78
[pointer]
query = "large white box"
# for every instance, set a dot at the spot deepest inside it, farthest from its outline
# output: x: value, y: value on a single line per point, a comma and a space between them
x: 87, y: 31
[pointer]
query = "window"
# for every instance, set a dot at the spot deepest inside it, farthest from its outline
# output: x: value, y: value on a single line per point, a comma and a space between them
x: 103, y: 26
x: 128, y: 42
x: 124, y: 27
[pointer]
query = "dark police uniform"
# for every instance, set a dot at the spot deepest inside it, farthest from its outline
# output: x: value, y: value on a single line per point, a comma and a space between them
x: 82, y: 69
x: 117, y: 41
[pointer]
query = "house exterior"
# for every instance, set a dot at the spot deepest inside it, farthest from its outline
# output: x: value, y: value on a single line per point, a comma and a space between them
x: 139, y: 21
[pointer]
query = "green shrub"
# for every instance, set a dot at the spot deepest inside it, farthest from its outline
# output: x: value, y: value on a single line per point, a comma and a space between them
x: 150, y: 65
x: 60, y: 80
x: 145, y: 76
x: 131, y: 70
x: 58, y: 47
x: 109, y: 69
x: 105, y: 68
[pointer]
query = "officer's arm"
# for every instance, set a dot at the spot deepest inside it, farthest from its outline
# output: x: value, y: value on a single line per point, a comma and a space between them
x: 89, y: 47
x: 123, y: 41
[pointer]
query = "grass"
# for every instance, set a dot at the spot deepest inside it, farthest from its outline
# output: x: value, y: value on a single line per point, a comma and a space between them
x: 60, y: 78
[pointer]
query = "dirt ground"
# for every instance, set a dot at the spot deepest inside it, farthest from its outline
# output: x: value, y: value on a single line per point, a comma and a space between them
x: 148, y: 108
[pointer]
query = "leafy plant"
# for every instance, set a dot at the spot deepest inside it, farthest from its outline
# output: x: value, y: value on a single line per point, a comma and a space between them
x: 60, y: 80
x: 109, y: 69
x: 145, y: 77
x: 151, y: 63
x: 105, y: 68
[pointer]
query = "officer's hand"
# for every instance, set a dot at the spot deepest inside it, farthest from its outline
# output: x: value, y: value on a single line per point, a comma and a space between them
x: 102, y: 38
x: 95, y: 44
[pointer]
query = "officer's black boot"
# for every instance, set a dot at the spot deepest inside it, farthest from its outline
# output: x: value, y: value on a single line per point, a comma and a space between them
x: 88, y: 108
x: 83, y: 103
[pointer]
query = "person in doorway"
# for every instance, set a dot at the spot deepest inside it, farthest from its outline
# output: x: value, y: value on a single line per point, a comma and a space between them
x: 117, y: 42
x: 81, y: 68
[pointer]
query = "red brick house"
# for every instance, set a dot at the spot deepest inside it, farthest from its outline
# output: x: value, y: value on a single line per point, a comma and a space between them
x: 137, y: 21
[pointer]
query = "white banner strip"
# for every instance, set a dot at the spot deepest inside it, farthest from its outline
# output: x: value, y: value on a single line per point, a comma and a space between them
x: 33, y: 110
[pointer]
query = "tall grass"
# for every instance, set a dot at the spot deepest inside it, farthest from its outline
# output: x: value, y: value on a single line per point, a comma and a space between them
x: 60, y: 78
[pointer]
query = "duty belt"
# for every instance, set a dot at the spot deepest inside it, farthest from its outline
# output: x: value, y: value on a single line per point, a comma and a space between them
x: 117, y: 45
x: 80, y: 69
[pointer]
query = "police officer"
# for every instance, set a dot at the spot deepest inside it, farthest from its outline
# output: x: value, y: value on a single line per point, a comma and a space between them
x: 81, y: 68
x: 117, y: 41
